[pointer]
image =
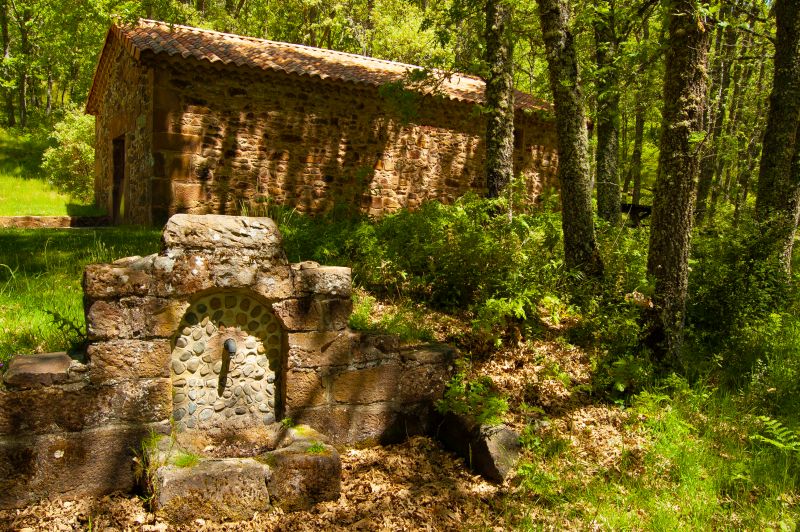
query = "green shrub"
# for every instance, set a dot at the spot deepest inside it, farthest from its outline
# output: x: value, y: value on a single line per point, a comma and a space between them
x: 69, y: 164
x: 475, y: 398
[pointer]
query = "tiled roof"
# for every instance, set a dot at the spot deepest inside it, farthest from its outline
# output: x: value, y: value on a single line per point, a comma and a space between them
x: 225, y: 48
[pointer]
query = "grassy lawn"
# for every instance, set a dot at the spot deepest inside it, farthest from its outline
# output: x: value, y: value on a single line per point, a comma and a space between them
x: 41, y: 270
x: 22, y: 189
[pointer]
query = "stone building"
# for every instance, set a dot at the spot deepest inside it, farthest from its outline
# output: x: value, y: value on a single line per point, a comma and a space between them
x: 197, y: 121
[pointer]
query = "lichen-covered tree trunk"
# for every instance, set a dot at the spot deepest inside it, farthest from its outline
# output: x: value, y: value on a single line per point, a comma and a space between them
x: 580, y: 246
x: 608, y: 193
x: 778, y: 197
x: 673, y: 199
x: 499, y: 98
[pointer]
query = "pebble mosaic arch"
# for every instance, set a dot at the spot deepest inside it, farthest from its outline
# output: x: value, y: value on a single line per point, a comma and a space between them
x: 212, y: 389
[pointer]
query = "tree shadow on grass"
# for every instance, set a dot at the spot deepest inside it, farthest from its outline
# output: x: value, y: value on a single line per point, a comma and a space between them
x: 21, y: 154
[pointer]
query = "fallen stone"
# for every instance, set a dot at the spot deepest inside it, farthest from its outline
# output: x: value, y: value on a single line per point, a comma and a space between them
x: 490, y: 450
x: 215, y: 489
x: 44, y: 369
x: 303, y: 474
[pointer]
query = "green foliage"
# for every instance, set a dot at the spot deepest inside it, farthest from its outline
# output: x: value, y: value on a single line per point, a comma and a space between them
x: 404, y: 322
x: 70, y: 328
x: 316, y: 448
x: 69, y: 165
x: 778, y: 436
x: 476, y: 398
x: 185, y: 459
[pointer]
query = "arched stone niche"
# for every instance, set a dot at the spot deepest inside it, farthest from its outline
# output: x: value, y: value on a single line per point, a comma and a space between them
x: 226, y: 363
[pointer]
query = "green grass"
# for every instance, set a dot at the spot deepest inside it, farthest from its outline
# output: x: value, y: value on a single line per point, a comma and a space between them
x: 700, y: 470
x: 41, y: 271
x: 23, y: 191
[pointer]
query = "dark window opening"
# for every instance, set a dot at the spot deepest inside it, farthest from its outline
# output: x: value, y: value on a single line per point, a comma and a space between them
x: 118, y: 186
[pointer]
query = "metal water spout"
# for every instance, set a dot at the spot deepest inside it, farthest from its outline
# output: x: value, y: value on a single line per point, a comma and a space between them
x: 228, y: 351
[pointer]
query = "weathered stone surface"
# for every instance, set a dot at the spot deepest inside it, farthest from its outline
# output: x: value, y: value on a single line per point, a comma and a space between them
x: 368, y: 424
x: 216, y: 489
x: 304, y: 389
x: 53, y: 408
x: 312, y: 279
x: 134, y: 317
x: 310, y: 314
x: 135, y: 278
x: 429, y: 353
x: 491, y: 451
x: 423, y: 382
x: 315, y: 349
x: 128, y: 359
x: 303, y: 474
x: 38, y: 370
x: 69, y: 465
x: 368, y: 385
x: 215, y: 232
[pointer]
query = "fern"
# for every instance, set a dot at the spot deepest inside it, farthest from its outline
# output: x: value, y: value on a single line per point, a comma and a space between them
x: 779, y: 436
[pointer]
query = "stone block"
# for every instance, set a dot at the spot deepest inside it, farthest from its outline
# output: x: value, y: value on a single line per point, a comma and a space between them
x: 134, y: 317
x: 38, y: 370
x: 177, y: 142
x: 184, y: 274
x: 376, y: 423
x: 368, y: 385
x: 128, y: 359
x: 186, y: 195
x: 376, y: 347
x: 70, y: 465
x: 315, y: 349
x: 103, y: 281
x: 304, y: 389
x: 53, y: 408
x: 179, y: 168
x: 274, y: 281
x: 213, y: 232
x: 311, y: 314
x: 429, y: 354
x: 490, y: 450
x: 322, y: 280
x: 424, y: 382
x: 214, y: 489
x: 303, y: 474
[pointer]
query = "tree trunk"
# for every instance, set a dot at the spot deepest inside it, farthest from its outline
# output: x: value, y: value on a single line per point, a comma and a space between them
x: 748, y: 149
x: 671, y: 226
x: 580, y: 247
x: 608, y: 194
x: 719, y: 86
x: 636, y: 156
x: 778, y: 197
x: 49, y: 104
x: 499, y: 99
x: 8, y: 94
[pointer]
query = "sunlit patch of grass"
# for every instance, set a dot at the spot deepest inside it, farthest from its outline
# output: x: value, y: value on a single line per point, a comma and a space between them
x: 23, y: 190
x: 701, y: 470
x: 41, y: 270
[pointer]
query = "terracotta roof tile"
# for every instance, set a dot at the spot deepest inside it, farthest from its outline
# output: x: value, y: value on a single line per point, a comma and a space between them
x: 212, y: 46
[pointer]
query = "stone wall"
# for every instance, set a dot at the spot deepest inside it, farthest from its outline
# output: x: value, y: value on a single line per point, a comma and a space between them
x: 225, y: 136
x: 157, y: 361
x: 125, y: 109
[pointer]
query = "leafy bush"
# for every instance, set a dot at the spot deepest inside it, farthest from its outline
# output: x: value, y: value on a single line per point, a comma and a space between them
x: 69, y: 164
x: 475, y: 398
